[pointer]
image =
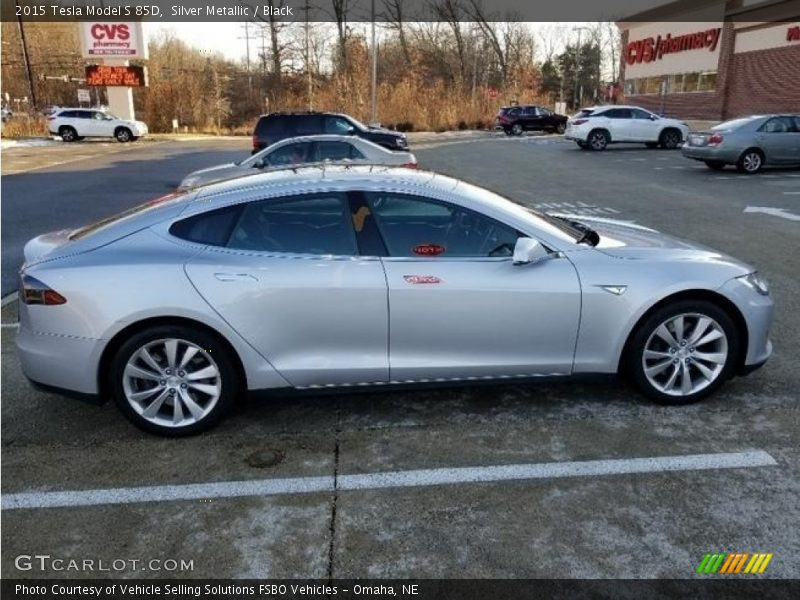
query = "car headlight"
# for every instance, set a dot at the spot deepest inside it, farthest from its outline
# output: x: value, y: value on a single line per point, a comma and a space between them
x: 756, y: 282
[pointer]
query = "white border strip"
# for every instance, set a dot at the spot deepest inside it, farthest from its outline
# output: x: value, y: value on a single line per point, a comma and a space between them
x: 391, y: 479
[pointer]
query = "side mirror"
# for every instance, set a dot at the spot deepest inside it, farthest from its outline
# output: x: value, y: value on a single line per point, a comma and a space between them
x: 259, y: 164
x: 351, y: 131
x: 527, y: 250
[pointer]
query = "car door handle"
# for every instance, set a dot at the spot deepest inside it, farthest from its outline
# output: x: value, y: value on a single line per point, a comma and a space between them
x: 235, y: 277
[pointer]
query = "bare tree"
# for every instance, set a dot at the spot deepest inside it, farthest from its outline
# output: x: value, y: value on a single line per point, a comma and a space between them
x: 453, y: 13
x: 395, y: 16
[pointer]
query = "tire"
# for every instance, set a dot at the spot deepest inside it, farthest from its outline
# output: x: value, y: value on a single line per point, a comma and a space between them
x: 651, y: 145
x: 198, y: 408
x: 561, y: 128
x: 67, y: 133
x: 716, y: 165
x: 660, y: 374
x: 598, y: 140
x: 751, y: 161
x: 516, y: 129
x: 507, y: 131
x: 669, y: 139
x: 123, y: 135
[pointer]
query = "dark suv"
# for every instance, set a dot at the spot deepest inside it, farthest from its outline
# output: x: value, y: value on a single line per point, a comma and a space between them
x: 516, y: 119
x: 278, y: 126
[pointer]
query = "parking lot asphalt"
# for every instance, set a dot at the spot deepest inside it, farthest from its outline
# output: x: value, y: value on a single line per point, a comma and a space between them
x: 436, y: 499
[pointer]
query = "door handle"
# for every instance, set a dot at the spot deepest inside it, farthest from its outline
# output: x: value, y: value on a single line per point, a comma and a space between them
x: 235, y: 277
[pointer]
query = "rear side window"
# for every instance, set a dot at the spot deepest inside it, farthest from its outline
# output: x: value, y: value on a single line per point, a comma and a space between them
x: 213, y: 227
x: 307, y: 125
x: 618, y: 113
x: 316, y: 224
x: 335, y: 151
x: 271, y: 126
x: 586, y: 112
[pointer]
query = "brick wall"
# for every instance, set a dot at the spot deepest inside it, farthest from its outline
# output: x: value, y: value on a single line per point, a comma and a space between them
x: 764, y: 81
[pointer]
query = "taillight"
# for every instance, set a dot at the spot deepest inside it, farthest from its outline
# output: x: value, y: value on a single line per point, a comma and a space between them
x: 33, y: 291
x: 411, y: 165
x: 715, y: 139
x: 579, y: 121
x: 51, y: 118
x: 255, y: 142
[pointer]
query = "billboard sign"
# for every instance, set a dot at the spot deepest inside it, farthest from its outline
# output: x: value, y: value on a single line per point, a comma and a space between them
x: 116, y: 76
x: 112, y: 39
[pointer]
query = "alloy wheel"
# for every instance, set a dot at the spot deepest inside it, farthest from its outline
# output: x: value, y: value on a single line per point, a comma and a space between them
x: 685, y: 354
x: 598, y: 140
x: 671, y: 140
x: 751, y: 162
x: 516, y: 129
x: 172, y: 382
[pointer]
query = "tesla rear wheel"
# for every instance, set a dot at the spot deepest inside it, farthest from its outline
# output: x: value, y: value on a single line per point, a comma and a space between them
x: 598, y: 140
x: 173, y: 380
x: 750, y: 161
x: 516, y: 129
x: 683, y: 352
x: 68, y: 134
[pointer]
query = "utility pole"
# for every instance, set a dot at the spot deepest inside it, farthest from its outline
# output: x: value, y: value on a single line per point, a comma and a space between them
x: 247, y: 55
x: 308, y: 59
x: 577, y: 66
x: 374, y: 69
x: 26, y: 57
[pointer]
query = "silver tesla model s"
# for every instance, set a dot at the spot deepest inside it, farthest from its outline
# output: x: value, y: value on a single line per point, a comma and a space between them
x: 357, y: 276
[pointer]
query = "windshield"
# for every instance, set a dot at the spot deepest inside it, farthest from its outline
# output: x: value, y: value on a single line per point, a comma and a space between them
x: 82, y: 232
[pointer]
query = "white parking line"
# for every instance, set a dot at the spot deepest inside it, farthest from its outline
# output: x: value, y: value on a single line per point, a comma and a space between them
x: 792, y: 193
x: 9, y: 326
x: 390, y: 479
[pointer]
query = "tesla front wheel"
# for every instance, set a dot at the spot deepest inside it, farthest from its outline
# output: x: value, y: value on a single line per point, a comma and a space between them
x: 173, y: 380
x: 683, y: 352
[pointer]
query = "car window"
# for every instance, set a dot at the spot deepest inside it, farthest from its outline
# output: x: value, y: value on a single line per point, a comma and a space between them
x: 290, y: 154
x: 514, y: 112
x: 98, y: 116
x: 638, y: 113
x: 335, y: 151
x: 797, y: 123
x: 529, y: 111
x: 778, y: 125
x: 618, y: 113
x: 213, y: 227
x: 271, y: 126
x: 337, y: 125
x: 421, y: 227
x: 545, y: 113
x: 307, y: 124
x: 317, y: 224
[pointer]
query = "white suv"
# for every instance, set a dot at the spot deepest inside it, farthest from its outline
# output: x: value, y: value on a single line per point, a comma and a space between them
x: 77, y: 123
x: 596, y: 127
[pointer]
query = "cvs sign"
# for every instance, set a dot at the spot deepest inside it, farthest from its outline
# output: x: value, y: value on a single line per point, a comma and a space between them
x: 112, y: 39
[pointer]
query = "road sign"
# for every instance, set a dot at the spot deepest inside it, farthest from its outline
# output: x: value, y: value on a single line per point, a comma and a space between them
x: 83, y: 96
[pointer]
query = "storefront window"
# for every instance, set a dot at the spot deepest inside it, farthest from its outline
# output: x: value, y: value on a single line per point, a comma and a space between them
x: 690, y: 82
x: 677, y: 83
x: 708, y: 82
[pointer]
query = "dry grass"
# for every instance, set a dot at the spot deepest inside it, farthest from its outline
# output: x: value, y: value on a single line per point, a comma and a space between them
x: 24, y: 126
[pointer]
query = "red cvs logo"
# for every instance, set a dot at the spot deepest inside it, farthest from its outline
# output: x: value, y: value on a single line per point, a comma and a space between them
x: 103, y: 31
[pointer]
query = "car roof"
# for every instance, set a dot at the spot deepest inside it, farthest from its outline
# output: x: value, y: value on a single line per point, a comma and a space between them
x: 298, y: 113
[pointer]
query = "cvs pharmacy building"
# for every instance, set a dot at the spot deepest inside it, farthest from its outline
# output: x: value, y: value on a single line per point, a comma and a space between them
x: 712, y: 59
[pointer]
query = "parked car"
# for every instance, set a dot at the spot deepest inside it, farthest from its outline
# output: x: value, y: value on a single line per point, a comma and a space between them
x: 278, y: 126
x: 750, y: 143
x: 73, y: 124
x: 303, y: 150
x: 596, y: 127
x: 514, y: 120
x: 317, y: 278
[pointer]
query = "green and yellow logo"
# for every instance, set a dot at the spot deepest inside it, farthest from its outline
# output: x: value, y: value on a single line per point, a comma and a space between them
x: 728, y: 563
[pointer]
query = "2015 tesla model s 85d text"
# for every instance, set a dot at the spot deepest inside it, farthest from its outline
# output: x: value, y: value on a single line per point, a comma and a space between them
x: 333, y: 277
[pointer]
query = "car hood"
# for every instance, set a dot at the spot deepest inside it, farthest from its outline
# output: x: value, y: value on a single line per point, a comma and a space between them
x: 627, y: 240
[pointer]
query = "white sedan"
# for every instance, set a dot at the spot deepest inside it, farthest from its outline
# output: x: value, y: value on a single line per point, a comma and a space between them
x: 596, y: 127
x: 73, y: 124
x: 303, y: 151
